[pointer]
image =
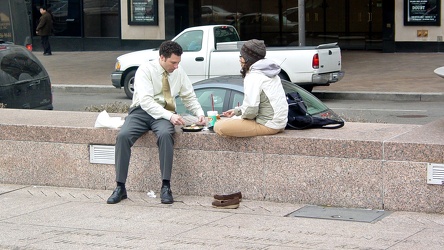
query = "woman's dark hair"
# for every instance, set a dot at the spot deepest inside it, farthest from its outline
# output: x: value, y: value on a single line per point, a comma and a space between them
x: 245, y: 68
x: 168, y: 48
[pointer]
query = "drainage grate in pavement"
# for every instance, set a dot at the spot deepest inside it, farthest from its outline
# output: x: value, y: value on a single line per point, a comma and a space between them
x: 335, y: 213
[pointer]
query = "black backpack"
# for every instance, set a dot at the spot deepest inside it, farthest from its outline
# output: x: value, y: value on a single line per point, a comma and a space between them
x: 299, y: 118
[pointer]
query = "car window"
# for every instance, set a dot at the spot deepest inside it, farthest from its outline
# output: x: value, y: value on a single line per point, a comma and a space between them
x: 206, y: 10
x: 238, y: 98
x: 223, y: 101
x: 270, y: 20
x: 314, y: 105
x: 191, y: 41
x: 17, y: 66
x: 252, y: 19
x: 204, y: 97
x: 225, y: 34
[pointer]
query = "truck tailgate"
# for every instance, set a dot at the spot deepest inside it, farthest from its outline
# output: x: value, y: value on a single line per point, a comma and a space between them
x: 329, y: 60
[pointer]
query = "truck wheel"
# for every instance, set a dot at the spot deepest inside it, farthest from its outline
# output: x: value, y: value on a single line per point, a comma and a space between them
x: 128, y: 84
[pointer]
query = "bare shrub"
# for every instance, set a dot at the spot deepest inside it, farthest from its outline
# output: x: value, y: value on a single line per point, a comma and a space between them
x: 116, y: 107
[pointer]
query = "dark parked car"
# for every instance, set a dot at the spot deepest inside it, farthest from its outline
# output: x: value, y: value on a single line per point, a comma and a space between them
x: 216, y: 15
x: 228, y: 92
x: 24, y: 82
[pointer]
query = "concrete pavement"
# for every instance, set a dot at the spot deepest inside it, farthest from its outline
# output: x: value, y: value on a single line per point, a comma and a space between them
x: 35, y: 217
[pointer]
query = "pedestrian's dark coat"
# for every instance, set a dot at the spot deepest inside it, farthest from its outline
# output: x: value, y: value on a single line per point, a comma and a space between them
x: 45, y: 25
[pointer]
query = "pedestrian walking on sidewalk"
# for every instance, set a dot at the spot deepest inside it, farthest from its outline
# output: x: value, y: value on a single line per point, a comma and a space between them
x: 44, y: 29
x: 156, y: 84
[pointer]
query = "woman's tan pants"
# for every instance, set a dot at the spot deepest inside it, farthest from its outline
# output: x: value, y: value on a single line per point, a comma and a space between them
x: 242, y: 128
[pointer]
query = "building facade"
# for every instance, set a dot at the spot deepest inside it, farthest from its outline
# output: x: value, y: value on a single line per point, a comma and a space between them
x: 384, y: 25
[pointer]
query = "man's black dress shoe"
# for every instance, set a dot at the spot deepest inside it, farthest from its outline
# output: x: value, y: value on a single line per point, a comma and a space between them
x: 118, y: 195
x: 166, y: 196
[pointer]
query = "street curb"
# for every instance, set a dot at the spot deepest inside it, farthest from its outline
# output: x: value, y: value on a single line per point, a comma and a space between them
x: 85, y: 88
x: 323, y: 95
x: 380, y: 96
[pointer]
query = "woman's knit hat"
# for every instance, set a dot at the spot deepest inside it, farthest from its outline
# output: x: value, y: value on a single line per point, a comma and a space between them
x: 253, y: 51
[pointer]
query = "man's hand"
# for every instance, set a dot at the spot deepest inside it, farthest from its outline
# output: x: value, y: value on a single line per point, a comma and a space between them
x: 177, y: 120
x: 228, y: 113
x: 201, y: 120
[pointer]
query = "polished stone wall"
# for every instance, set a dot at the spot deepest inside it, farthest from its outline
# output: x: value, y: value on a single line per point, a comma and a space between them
x: 362, y: 165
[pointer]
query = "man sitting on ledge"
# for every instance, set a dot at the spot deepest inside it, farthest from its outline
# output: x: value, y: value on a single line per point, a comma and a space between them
x: 153, y: 108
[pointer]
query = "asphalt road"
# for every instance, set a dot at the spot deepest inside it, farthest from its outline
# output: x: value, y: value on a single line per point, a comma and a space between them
x: 75, y: 101
x: 398, y: 112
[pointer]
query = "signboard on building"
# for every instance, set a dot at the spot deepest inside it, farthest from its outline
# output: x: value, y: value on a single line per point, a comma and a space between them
x: 14, y: 22
x: 422, y: 12
x: 5, y: 23
x: 142, y: 12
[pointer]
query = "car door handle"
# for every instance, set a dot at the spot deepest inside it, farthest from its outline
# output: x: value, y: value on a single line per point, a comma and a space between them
x: 33, y: 84
x: 199, y: 59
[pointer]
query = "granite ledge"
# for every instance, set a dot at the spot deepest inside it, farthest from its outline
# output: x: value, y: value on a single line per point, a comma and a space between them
x: 354, y: 140
x: 359, y: 165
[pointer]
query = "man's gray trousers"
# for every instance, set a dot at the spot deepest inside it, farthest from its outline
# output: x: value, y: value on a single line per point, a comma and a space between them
x: 137, y: 123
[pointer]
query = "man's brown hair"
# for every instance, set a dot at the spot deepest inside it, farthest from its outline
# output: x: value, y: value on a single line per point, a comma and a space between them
x: 168, y: 48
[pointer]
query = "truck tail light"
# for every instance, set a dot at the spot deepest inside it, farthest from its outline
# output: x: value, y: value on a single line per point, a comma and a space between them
x: 29, y: 47
x: 315, y: 62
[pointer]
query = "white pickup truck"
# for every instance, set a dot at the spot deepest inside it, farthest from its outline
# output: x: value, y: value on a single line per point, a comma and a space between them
x: 213, y: 50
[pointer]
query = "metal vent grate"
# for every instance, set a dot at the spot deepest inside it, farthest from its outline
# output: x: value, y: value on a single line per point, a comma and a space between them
x: 338, y: 213
x: 101, y: 154
x: 435, y: 173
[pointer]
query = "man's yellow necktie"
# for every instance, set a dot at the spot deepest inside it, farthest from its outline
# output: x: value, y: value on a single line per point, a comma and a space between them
x: 169, y: 101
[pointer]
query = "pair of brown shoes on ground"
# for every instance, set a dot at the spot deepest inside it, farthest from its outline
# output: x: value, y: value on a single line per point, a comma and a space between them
x: 227, y: 200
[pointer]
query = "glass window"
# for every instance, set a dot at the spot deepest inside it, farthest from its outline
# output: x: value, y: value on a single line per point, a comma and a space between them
x: 238, y: 99
x: 191, y: 41
x: 213, y: 14
x: 24, y: 83
x: 206, y: 10
x: 225, y: 34
x: 204, y: 97
x: 17, y: 66
x: 314, y: 105
x: 101, y: 18
x: 66, y: 16
x: 65, y: 13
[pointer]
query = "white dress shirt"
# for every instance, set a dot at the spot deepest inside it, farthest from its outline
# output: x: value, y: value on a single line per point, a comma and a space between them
x: 148, y: 92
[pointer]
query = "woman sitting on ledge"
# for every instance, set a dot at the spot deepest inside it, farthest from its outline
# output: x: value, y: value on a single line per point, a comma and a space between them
x: 264, y: 110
